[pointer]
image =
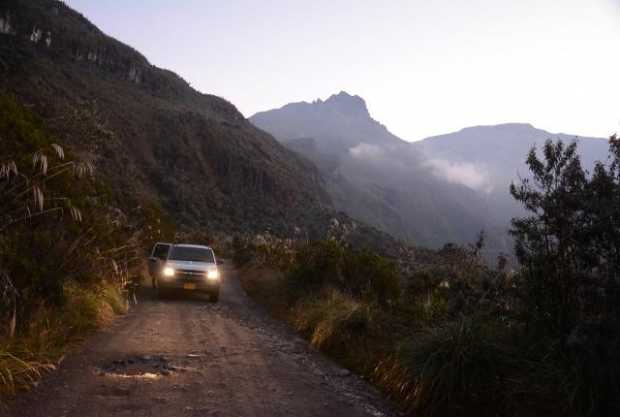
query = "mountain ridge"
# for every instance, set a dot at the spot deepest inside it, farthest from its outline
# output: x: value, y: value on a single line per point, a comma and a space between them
x: 444, y: 188
x: 372, y: 174
x: 329, y: 113
x: 148, y: 131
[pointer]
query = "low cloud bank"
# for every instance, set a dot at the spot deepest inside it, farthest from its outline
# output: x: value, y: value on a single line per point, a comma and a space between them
x: 471, y: 175
x: 365, y: 151
x: 468, y: 174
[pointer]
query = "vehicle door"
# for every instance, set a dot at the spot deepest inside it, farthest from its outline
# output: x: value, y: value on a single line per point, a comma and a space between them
x: 159, y: 254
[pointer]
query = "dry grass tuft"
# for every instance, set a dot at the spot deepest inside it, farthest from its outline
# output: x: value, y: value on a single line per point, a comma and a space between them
x: 27, y: 357
x: 339, y: 325
x: 325, y: 317
x: 16, y: 374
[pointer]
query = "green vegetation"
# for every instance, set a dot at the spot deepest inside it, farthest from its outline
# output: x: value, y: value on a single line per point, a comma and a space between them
x: 67, y: 255
x: 443, y: 334
x: 439, y: 331
x: 37, y: 347
x: 362, y: 275
x: 569, y: 249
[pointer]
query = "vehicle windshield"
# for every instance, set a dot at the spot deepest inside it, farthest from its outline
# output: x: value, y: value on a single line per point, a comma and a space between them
x: 184, y: 253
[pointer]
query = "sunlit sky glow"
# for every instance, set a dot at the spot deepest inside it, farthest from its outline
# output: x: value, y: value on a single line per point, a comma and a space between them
x: 424, y: 67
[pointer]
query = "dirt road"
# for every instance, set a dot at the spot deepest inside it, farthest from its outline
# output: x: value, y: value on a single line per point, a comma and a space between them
x: 188, y: 357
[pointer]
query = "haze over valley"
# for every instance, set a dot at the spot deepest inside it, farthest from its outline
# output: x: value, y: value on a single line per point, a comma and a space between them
x: 437, y: 190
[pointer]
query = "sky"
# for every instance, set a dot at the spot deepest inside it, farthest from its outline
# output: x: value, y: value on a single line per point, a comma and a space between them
x: 424, y: 67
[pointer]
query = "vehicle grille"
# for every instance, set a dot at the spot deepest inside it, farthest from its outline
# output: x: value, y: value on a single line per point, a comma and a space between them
x: 190, y: 274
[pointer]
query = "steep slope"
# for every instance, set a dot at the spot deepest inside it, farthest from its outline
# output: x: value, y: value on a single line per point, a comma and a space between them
x: 375, y: 176
x: 145, y: 128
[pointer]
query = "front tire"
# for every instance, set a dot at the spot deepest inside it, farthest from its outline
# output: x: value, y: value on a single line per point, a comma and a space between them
x: 214, y: 296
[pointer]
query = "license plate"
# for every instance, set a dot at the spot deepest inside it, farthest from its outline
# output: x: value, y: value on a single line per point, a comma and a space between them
x: 189, y: 286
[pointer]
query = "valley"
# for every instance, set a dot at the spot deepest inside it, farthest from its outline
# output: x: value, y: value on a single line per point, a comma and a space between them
x: 429, y: 192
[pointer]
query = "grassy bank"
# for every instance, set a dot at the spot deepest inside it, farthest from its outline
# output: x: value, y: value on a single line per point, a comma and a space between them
x: 52, y: 331
x: 68, y: 247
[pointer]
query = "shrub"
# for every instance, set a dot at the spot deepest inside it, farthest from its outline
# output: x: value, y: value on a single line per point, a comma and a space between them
x: 317, y: 265
x: 360, y: 274
x: 458, y: 368
x: 425, y: 309
x: 57, y: 226
x: 371, y: 277
x: 115, y: 298
x: 243, y: 251
x: 65, y: 251
x: 337, y: 324
x: 593, y: 368
x: 88, y: 308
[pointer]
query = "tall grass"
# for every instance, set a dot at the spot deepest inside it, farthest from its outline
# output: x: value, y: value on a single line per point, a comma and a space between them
x: 66, y: 251
x: 339, y: 325
x: 52, y: 330
x: 332, y: 318
x: 458, y: 366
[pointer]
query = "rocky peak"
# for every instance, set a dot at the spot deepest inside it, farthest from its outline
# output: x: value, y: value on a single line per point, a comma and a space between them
x: 346, y: 103
x: 337, y: 124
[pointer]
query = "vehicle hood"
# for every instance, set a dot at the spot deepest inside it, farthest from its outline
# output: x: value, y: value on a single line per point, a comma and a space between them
x: 191, y: 266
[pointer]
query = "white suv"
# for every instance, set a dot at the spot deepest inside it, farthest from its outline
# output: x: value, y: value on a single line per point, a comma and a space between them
x: 185, y: 267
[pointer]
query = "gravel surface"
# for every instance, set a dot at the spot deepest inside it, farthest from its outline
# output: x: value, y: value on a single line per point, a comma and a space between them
x: 185, y: 356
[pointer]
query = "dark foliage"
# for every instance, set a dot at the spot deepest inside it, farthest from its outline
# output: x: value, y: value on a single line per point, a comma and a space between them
x: 569, y: 250
x: 358, y: 273
x: 151, y: 135
x: 56, y: 223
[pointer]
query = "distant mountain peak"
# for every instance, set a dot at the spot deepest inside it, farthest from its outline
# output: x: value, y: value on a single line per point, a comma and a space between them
x: 347, y: 104
x: 338, y: 123
x: 503, y: 126
x: 517, y: 125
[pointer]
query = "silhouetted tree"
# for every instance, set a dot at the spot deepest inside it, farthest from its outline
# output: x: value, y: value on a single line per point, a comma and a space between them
x: 569, y: 244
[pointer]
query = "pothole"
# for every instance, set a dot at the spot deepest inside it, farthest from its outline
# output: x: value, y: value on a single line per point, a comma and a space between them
x: 137, y: 367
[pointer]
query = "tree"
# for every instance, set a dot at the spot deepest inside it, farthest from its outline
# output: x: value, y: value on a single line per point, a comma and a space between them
x: 569, y: 244
x: 548, y: 239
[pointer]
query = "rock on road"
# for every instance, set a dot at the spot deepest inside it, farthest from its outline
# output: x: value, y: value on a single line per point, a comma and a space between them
x: 187, y: 357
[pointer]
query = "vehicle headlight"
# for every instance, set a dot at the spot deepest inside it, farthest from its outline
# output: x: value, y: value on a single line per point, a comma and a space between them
x: 213, y: 274
x: 168, y: 272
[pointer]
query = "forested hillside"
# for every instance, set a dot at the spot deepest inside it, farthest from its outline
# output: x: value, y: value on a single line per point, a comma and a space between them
x: 152, y: 135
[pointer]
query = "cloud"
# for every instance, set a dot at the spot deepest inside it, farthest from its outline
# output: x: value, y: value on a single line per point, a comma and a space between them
x: 468, y: 174
x: 367, y: 152
x: 396, y: 162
